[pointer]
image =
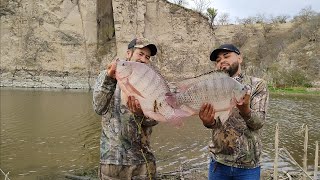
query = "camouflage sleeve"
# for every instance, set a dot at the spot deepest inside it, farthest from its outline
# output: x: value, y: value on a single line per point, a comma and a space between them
x: 103, y: 92
x: 147, y: 122
x: 259, y: 103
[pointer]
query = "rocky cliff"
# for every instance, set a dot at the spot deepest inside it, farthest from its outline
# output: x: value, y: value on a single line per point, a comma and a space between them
x: 47, y: 43
x: 65, y: 43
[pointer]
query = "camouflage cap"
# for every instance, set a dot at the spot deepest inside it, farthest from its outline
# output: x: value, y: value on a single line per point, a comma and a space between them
x: 141, y: 43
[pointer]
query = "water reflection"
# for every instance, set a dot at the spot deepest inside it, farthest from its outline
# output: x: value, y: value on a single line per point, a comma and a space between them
x: 46, y: 133
x: 291, y: 112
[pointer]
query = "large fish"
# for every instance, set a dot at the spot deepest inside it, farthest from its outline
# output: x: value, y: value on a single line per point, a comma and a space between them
x: 148, y: 86
x: 216, y: 88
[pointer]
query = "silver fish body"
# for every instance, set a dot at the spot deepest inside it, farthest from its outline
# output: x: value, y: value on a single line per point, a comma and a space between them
x: 216, y: 88
x: 148, y: 86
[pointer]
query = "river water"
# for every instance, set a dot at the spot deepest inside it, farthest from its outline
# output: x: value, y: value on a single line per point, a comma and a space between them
x: 45, y: 133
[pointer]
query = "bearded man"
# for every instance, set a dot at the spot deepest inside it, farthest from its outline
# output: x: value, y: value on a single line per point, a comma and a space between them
x: 235, y: 147
x: 125, y: 151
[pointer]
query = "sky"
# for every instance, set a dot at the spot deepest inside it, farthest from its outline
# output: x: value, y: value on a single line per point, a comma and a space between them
x: 246, y: 8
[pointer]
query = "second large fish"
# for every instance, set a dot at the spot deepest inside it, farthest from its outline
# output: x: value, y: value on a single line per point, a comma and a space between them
x: 216, y: 88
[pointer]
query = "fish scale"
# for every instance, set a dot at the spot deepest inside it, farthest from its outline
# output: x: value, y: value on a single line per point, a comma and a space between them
x: 216, y: 88
x: 136, y: 79
x: 149, y: 88
x: 157, y: 102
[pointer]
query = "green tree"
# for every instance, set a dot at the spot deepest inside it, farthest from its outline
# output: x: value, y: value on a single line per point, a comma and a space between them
x: 212, y: 13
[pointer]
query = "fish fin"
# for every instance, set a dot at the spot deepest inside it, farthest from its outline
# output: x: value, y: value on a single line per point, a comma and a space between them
x: 184, y: 87
x: 189, y: 109
x: 171, y: 99
x: 176, y: 119
x: 124, y: 98
x: 132, y: 89
x: 225, y: 113
x: 208, y: 75
x: 223, y: 116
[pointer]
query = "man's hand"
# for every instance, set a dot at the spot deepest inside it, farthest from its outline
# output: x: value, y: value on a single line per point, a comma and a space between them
x: 134, y: 106
x: 111, y: 69
x: 206, y: 115
x: 244, y: 108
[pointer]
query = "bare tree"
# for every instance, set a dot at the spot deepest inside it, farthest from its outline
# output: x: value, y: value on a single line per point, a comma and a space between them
x: 267, y: 28
x: 240, y: 37
x: 223, y: 19
x: 180, y: 2
x: 201, y: 5
x: 260, y: 19
x: 246, y: 21
x: 311, y: 29
x: 257, y: 19
x: 305, y: 14
x: 280, y: 19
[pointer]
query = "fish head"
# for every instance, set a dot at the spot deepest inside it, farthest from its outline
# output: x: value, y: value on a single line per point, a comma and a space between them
x: 240, y: 91
x: 124, y: 69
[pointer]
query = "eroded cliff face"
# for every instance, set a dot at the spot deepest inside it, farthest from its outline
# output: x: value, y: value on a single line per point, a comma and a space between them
x: 47, y: 43
x: 65, y: 43
x: 183, y: 37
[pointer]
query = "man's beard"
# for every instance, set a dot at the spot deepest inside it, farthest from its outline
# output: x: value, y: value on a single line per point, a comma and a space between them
x: 232, y: 69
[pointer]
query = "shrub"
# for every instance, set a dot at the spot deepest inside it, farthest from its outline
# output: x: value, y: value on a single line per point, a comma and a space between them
x: 290, y: 78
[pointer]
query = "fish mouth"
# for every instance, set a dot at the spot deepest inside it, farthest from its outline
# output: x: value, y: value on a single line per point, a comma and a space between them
x: 240, y: 102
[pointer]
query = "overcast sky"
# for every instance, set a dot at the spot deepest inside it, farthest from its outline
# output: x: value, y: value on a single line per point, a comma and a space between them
x: 245, y: 8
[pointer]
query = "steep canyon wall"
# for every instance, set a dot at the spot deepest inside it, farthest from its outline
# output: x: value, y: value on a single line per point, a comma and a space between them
x: 65, y: 43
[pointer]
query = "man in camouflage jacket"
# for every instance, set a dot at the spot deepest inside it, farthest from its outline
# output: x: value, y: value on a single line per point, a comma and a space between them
x: 124, y: 145
x: 235, y: 148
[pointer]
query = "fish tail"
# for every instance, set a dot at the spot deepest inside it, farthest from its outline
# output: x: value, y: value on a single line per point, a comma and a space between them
x: 178, y: 116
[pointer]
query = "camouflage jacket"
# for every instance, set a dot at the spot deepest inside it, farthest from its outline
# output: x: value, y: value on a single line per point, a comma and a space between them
x: 124, y: 137
x: 237, y: 142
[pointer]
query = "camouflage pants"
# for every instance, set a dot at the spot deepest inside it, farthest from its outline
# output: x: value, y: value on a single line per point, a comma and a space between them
x: 127, y: 172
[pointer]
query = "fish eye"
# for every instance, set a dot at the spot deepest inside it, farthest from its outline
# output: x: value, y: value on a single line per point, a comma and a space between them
x: 122, y: 64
